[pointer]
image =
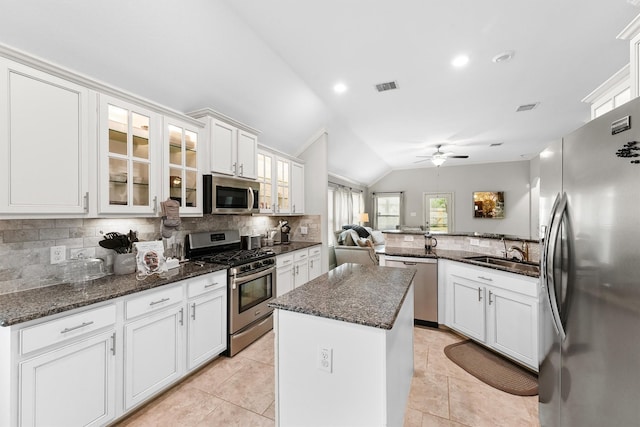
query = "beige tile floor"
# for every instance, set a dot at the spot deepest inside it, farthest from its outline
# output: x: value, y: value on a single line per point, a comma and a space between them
x: 240, y: 392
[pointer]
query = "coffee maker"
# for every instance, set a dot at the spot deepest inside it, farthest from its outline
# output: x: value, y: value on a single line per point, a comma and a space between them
x: 282, y: 235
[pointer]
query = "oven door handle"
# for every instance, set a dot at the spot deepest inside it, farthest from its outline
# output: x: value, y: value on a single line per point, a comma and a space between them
x: 240, y: 280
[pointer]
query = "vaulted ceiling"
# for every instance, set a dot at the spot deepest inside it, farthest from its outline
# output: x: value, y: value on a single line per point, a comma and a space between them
x: 273, y: 65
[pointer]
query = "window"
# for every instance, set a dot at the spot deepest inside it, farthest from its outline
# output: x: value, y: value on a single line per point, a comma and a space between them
x: 345, y: 205
x: 438, y: 212
x: 388, y: 208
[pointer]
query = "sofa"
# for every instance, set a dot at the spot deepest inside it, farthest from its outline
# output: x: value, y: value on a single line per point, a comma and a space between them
x: 358, y: 245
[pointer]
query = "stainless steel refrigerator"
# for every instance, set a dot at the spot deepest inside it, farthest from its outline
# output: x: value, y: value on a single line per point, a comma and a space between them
x: 590, y: 289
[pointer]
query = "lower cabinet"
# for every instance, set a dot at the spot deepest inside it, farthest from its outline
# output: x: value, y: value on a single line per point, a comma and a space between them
x: 495, y: 308
x: 153, y: 353
x: 296, y: 268
x: 92, y: 366
x: 70, y: 386
x: 315, y: 262
x: 284, y: 274
x: 207, y: 328
x: 300, y: 267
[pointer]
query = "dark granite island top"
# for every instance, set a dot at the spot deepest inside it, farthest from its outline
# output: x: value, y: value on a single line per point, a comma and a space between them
x: 363, y: 294
x: 18, y: 307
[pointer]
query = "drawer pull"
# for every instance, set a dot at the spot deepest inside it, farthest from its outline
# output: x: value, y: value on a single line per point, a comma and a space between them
x: 210, y: 285
x: 303, y: 256
x: 485, y: 278
x: 286, y: 261
x: 490, y: 294
x: 65, y: 330
x: 152, y: 303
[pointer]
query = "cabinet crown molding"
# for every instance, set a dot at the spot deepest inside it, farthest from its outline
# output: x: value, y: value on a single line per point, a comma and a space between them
x: 631, y: 30
x: 210, y: 112
x: 619, y: 77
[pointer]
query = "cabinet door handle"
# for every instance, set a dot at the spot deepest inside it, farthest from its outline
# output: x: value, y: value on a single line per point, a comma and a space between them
x: 235, y: 167
x: 113, y: 344
x: 65, y: 330
x: 293, y: 209
x: 311, y: 263
x: 152, y: 303
x: 490, y: 293
x: 155, y: 205
x: 489, y: 279
x: 479, y: 294
x: 86, y: 201
x: 210, y: 285
x: 297, y: 269
x: 409, y: 263
x: 182, y: 316
x: 241, y: 169
x: 193, y: 312
x: 274, y: 207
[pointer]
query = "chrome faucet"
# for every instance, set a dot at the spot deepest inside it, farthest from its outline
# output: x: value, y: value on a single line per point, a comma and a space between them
x: 524, y: 251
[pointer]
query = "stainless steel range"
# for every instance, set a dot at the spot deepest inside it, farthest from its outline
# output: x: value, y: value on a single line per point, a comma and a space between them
x: 251, y: 279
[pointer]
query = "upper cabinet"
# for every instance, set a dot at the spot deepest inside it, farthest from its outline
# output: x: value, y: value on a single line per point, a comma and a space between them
x: 182, y: 177
x: 281, y: 184
x: 44, y: 142
x: 232, y: 145
x: 129, y: 158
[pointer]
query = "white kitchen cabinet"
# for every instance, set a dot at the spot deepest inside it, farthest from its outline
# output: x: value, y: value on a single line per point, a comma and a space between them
x: 300, y: 267
x: 297, y: 188
x: 207, y: 325
x: 495, y: 308
x: 281, y: 184
x: 182, y: 176
x: 44, y: 143
x: 130, y: 147
x: 285, y: 274
x: 70, y: 386
x: 232, y: 145
x: 154, y: 348
x: 315, y: 262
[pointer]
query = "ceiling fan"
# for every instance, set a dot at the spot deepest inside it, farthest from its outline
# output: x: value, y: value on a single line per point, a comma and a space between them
x: 438, y: 158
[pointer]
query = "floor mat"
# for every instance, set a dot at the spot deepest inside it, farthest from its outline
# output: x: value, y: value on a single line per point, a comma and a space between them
x: 493, y: 369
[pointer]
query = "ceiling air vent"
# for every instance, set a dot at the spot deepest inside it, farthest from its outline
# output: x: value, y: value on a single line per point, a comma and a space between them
x: 381, y: 87
x: 527, y: 107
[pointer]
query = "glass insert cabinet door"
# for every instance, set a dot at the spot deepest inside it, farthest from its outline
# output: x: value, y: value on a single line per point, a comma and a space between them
x: 129, y: 142
x: 265, y: 177
x: 182, y: 179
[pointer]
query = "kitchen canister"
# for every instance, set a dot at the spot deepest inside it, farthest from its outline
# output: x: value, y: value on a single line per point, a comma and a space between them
x: 124, y: 264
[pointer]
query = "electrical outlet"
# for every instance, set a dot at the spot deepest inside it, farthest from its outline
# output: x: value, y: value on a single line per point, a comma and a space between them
x: 413, y: 214
x: 474, y: 242
x: 408, y: 238
x: 325, y: 359
x: 58, y: 254
x: 304, y: 230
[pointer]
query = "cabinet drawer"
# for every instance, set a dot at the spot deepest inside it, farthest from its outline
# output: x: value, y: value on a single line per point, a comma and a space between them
x: 300, y: 255
x: 206, y: 283
x: 284, y: 261
x: 152, y: 301
x: 314, y: 251
x: 500, y: 279
x: 65, y: 328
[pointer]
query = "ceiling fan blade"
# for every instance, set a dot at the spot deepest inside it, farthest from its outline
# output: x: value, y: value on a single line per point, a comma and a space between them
x: 420, y: 161
x: 458, y: 157
x: 426, y: 157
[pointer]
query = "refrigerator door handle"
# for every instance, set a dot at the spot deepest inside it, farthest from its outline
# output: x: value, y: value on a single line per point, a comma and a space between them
x: 549, y: 264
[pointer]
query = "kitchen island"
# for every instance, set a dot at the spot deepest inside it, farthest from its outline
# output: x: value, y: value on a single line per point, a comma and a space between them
x: 344, y: 348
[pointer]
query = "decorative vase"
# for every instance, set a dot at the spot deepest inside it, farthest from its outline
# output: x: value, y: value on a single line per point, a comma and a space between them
x: 124, y: 264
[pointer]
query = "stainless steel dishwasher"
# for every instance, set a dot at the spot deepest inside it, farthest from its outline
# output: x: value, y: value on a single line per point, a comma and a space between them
x: 425, y: 285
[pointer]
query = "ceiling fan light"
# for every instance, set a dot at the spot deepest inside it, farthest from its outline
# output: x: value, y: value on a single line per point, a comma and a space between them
x: 438, y: 160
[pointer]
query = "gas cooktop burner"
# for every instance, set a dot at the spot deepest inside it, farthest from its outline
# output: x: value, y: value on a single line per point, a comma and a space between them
x: 235, y: 257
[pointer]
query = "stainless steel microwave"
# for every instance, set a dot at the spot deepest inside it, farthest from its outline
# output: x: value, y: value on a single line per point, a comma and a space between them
x: 225, y: 195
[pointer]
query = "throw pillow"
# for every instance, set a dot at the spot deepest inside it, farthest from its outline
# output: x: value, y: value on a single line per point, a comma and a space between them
x: 378, y: 237
x: 362, y: 232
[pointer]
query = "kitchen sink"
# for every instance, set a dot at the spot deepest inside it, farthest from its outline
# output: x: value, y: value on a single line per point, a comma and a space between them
x: 523, y: 266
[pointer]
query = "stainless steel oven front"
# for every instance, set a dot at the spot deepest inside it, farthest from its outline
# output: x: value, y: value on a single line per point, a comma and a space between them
x: 249, y: 314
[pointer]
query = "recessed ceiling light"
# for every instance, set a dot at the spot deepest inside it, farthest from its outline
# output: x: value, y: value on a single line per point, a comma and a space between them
x: 505, y: 56
x: 460, y: 61
x: 340, y: 88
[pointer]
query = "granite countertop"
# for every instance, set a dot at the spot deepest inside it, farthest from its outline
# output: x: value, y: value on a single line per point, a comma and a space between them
x: 454, y: 255
x: 368, y: 295
x: 291, y: 247
x: 18, y: 307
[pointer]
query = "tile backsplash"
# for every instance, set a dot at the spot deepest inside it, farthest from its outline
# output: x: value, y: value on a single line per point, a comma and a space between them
x: 487, y: 246
x: 25, y: 244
